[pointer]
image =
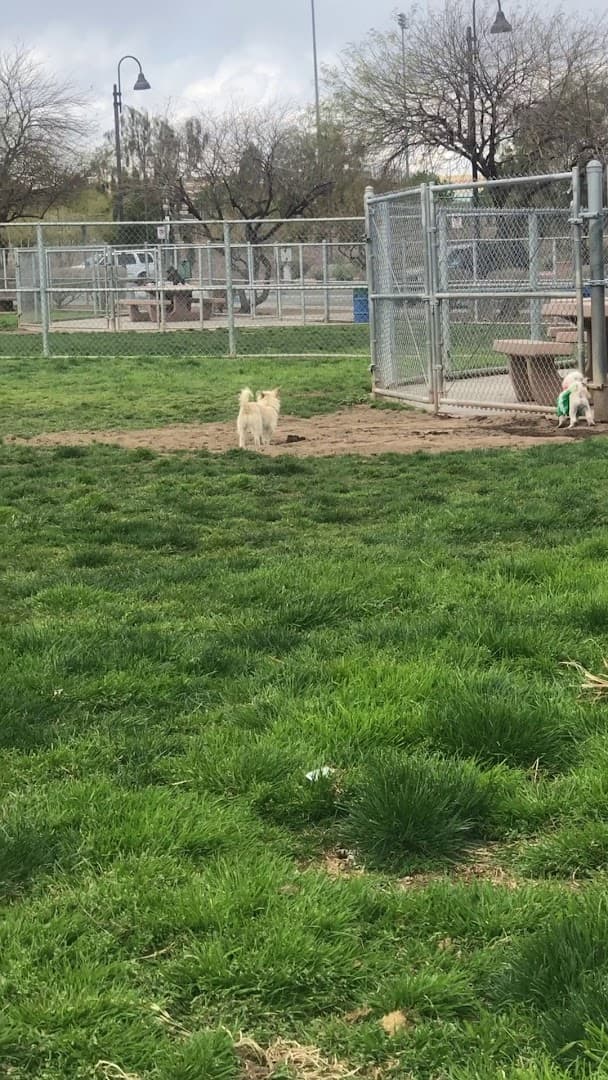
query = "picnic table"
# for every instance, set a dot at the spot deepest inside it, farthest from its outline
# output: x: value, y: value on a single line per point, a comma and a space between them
x: 568, y: 310
x: 177, y: 301
x: 180, y: 299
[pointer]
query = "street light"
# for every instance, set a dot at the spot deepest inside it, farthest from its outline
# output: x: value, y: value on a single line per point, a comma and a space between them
x: 140, y: 84
x: 316, y: 73
x: 501, y: 25
x: 402, y: 21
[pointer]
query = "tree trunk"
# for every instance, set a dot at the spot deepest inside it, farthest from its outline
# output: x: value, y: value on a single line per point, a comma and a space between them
x: 261, y: 295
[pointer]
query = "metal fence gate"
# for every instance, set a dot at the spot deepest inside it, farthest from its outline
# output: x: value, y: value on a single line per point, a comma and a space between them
x: 480, y: 295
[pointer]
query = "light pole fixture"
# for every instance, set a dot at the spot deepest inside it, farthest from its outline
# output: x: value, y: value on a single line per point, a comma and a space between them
x: 501, y: 25
x: 316, y: 73
x: 402, y: 23
x: 141, y: 83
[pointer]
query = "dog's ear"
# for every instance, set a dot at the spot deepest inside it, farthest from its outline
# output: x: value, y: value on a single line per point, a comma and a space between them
x: 277, y: 390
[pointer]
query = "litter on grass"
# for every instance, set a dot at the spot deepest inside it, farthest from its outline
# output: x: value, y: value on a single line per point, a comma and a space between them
x: 317, y: 774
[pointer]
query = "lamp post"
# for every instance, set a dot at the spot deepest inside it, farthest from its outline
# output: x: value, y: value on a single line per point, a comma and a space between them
x: 501, y: 25
x: 402, y: 22
x: 316, y: 73
x: 141, y: 83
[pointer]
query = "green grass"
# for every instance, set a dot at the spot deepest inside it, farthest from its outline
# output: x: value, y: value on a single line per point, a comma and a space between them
x: 55, y: 395
x: 251, y: 341
x: 184, y: 637
x: 470, y: 343
x: 8, y: 321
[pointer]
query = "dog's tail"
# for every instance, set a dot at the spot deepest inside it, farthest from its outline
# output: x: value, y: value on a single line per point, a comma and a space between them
x: 245, y: 396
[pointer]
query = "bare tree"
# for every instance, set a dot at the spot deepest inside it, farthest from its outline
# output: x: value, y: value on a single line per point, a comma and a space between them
x: 260, y: 166
x: 569, y: 126
x: 257, y: 165
x: 40, y: 132
x: 515, y: 77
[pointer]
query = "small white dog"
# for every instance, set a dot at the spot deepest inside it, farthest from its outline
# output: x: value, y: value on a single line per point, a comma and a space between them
x: 257, y: 420
x: 574, y: 400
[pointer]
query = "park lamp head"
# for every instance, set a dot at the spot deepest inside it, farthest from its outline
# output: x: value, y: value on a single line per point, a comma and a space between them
x: 501, y: 24
x: 142, y: 83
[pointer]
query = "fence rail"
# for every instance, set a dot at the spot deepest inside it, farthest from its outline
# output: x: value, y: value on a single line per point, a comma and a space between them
x: 269, y: 287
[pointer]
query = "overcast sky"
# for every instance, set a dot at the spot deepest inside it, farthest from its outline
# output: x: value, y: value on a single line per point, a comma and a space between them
x: 196, y: 55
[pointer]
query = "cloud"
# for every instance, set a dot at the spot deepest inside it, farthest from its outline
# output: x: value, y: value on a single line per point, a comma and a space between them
x: 243, y: 78
x: 182, y: 83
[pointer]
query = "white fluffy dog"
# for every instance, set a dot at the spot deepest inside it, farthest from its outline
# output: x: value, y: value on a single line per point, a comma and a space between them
x: 257, y: 420
x: 574, y: 388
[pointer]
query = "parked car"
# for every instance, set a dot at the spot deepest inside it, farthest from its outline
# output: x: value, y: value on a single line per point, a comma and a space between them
x: 494, y: 257
x: 137, y: 264
x: 134, y: 264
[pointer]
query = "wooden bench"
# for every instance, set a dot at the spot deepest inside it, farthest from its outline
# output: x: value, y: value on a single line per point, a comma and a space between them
x: 532, y: 368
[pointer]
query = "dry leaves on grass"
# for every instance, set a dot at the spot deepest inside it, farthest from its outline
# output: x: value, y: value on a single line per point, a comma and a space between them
x: 482, y: 865
x: 394, y: 1022
x: 109, y: 1071
x: 340, y: 863
x: 174, y: 1025
x: 357, y: 1014
x: 307, y: 1062
x: 593, y: 684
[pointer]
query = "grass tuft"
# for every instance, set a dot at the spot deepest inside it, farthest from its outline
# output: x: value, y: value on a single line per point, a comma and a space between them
x: 408, y: 810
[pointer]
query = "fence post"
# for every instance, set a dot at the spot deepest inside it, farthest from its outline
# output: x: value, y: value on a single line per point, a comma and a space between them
x: 369, y: 273
x: 201, y: 304
x: 595, y: 196
x: 229, y: 294
x: 475, y: 260
x: 277, y: 270
x: 445, y: 342
x: 577, y: 237
x: 434, y: 368
x: 534, y: 263
x: 251, y: 276
x: 44, y: 292
x: 18, y: 286
x: 325, y: 282
x: 302, y: 286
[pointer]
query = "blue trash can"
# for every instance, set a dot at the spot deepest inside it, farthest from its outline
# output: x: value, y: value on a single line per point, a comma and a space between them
x: 360, y: 306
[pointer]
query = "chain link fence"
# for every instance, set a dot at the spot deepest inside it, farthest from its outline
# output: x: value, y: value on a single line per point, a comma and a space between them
x: 265, y: 288
x: 477, y: 292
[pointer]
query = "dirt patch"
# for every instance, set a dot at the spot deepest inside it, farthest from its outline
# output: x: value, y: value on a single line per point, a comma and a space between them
x: 359, y: 430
